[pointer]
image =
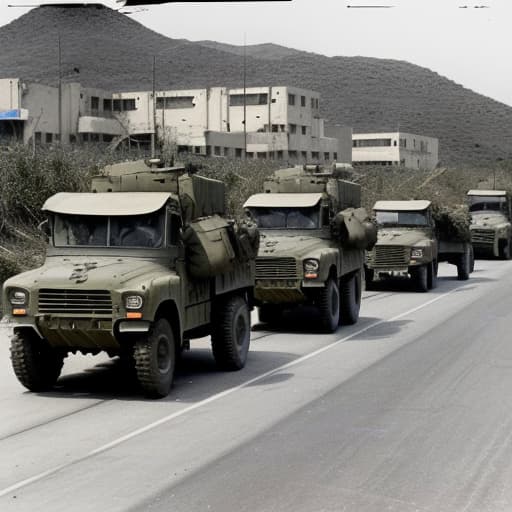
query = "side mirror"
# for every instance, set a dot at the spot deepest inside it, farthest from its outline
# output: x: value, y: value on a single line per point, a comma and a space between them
x: 44, y: 228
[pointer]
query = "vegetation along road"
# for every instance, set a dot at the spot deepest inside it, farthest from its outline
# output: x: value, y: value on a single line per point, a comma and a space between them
x: 409, y: 410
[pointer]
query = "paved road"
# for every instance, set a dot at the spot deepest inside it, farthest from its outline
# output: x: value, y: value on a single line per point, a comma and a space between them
x: 409, y: 410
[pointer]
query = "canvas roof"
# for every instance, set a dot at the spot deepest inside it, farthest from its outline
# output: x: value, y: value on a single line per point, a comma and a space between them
x: 284, y: 200
x: 487, y: 192
x: 106, y: 203
x: 403, y: 206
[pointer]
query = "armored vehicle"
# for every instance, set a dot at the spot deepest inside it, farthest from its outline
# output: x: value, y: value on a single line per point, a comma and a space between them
x: 135, y: 268
x: 409, y: 244
x: 312, y: 240
x: 491, y: 229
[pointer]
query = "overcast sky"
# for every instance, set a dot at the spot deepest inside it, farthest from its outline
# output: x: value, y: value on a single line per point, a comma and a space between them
x: 469, y: 45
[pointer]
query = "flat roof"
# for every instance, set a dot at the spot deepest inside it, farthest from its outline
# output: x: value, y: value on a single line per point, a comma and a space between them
x: 415, y: 205
x: 479, y: 192
x: 285, y: 200
x: 106, y: 203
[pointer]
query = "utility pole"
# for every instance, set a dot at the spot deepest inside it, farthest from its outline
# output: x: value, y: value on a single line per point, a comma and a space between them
x: 153, y: 133
x: 60, y: 92
x: 245, y: 100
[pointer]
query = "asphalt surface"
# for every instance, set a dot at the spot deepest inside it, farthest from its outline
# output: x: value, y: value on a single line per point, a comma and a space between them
x: 409, y: 410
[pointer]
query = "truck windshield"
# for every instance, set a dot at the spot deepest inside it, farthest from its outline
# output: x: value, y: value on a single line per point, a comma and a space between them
x: 480, y: 203
x: 286, y: 218
x: 96, y: 231
x: 386, y: 218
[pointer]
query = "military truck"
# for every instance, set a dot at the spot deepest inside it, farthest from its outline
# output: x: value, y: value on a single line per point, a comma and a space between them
x: 136, y: 268
x: 409, y: 245
x: 312, y: 239
x: 491, y: 228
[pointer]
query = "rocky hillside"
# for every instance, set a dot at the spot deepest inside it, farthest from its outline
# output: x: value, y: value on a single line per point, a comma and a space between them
x: 112, y: 51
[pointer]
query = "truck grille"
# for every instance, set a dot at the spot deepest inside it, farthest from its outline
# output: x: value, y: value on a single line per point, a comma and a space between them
x: 276, y: 268
x: 389, y: 256
x: 482, y: 236
x: 82, y: 302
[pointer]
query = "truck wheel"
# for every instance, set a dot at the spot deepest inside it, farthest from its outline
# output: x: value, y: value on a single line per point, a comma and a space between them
x: 231, y: 334
x: 420, y: 277
x: 464, y: 265
x: 155, y: 359
x: 504, y: 250
x: 369, y: 274
x: 432, y: 275
x: 269, y: 313
x: 350, y: 304
x: 36, y: 365
x: 329, y: 306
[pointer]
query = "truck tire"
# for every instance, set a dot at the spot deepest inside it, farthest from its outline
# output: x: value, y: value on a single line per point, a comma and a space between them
x: 471, y: 259
x: 269, y: 313
x: 504, y: 249
x: 432, y: 275
x: 36, y: 365
x: 419, y: 275
x: 155, y: 360
x: 369, y: 275
x: 231, y: 334
x: 464, y: 265
x: 350, y: 303
x: 329, y: 306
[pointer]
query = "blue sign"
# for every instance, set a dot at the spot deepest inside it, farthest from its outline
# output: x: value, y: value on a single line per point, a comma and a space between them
x: 10, y: 114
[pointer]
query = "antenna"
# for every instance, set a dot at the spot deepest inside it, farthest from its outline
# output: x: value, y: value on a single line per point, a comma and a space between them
x: 153, y: 133
x: 245, y: 98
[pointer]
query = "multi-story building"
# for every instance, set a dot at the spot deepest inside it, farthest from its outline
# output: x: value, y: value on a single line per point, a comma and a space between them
x: 395, y: 148
x: 41, y: 114
x: 266, y: 122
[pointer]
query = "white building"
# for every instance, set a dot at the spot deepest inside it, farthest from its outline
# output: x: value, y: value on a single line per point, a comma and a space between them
x: 281, y: 122
x: 29, y: 113
x: 395, y: 148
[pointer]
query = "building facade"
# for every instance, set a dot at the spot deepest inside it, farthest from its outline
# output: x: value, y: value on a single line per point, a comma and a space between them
x: 395, y: 149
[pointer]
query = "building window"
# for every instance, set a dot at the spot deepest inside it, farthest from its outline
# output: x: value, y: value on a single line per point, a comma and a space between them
x: 85, y: 137
x: 304, y: 155
x: 261, y: 154
x: 37, y: 137
x: 414, y: 143
x: 292, y: 154
x: 197, y: 149
x: 327, y: 155
x: 116, y: 105
x: 314, y: 155
x: 72, y: 139
x: 49, y: 138
x: 281, y: 126
x: 303, y: 101
x: 335, y: 156
x: 107, y: 137
x: 280, y: 154
x: 394, y: 143
x: 249, y: 154
x: 94, y: 137
x: 216, y: 150
x: 129, y: 104
x: 371, y: 143
x: 238, y: 152
x: 293, y: 128
x: 275, y: 128
x: 226, y: 151
x: 237, y: 100
x: 316, y: 104
x: 95, y: 103
x: 175, y: 102
x: 107, y: 105
x: 304, y: 130
x: 291, y: 99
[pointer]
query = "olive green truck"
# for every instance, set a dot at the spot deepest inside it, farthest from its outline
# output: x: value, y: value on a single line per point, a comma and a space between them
x: 491, y: 228
x: 136, y: 268
x: 409, y: 244
x: 313, y: 234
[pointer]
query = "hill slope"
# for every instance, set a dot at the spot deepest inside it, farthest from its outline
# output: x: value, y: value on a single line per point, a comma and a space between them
x: 114, y: 52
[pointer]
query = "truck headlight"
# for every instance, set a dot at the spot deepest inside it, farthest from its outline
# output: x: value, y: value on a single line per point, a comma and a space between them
x: 417, y: 253
x: 133, y: 302
x: 18, y: 297
x: 311, y: 267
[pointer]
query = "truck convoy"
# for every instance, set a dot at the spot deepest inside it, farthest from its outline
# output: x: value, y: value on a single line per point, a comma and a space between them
x: 410, y: 244
x: 491, y: 228
x: 313, y: 234
x: 136, y: 268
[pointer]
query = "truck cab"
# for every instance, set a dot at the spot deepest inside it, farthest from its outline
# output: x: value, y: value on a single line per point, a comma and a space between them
x: 406, y: 243
x: 491, y: 228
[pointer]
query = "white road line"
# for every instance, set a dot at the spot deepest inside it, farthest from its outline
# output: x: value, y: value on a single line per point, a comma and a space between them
x: 214, y: 398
